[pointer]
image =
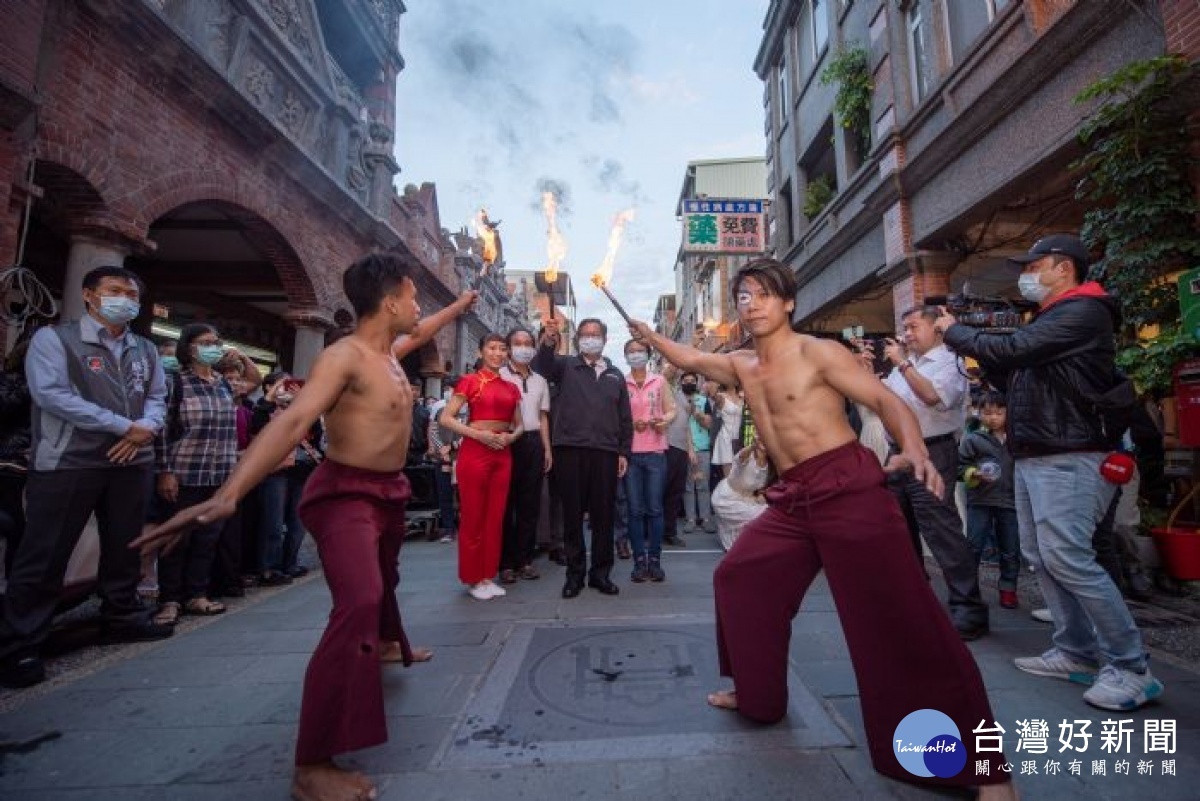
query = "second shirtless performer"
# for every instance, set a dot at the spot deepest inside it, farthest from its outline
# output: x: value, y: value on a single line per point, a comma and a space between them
x: 353, y: 505
x: 830, y: 509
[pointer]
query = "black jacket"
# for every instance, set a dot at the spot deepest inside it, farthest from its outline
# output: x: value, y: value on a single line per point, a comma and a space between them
x: 592, y: 411
x: 1070, y: 343
x: 976, y: 448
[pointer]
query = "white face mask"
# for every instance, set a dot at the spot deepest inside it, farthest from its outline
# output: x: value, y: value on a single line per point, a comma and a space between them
x: 638, y: 359
x: 591, y: 346
x: 523, y: 354
x: 1031, y: 287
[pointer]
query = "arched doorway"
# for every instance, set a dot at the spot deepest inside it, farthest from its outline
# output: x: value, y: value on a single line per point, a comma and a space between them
x: 219, y: 263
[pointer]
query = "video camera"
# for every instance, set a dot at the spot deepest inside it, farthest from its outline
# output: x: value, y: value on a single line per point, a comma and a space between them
x: 991, y: 314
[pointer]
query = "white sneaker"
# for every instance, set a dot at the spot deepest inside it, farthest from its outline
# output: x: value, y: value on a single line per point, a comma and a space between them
x: 495, y: 589
x: 1042, y: 615
x: 1057, y: 665
x: 480, y: 592
x: 1122, y: 690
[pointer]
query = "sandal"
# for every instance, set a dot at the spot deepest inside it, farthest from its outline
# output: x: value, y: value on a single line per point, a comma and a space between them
x: 203, y: 606
x: 168, y: 614
x: 508, y: 577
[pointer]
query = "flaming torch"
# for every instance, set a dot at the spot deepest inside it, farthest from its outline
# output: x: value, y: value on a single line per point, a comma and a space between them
x: 485, y: 229
x: 556, y: 246
x: 603, y: 275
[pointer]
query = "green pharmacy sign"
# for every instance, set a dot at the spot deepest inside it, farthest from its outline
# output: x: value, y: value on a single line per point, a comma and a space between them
x: 723, y: 226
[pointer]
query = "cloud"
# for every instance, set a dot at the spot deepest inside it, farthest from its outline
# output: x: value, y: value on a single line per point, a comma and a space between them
x: 562, y: 195
x: 673, y: 88
x: 608, y: 176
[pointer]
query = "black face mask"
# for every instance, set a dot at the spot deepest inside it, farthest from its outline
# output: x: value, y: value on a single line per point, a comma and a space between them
x: 688, y: 389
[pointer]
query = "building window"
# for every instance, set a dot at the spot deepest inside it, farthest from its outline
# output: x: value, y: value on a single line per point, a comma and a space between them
x: 783, y: 217
x: 966, y: 20
x: 784, y: 97
x: 820, y: 27
x: 918, y: 50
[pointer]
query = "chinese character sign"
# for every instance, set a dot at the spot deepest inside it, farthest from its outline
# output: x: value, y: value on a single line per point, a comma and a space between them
x: 723, y: 226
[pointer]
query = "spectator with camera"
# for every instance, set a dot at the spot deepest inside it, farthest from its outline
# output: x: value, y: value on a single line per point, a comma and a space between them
x: 928, y: 378
x: 1065, y: 397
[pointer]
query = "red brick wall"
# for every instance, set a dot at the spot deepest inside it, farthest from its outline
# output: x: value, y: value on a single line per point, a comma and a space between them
x: 20, y: 36
x: 1181, y: 19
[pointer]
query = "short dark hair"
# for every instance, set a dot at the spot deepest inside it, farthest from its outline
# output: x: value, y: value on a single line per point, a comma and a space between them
x: 774, y: 276
x: 369, y: 279
x: 592, y: 321
x: 183, y: 347
x: 508, y: 338
x: 992, y: 397
x: 649, y: 349
x: 930, y: 313
x: 98, y: 274
x: 685, y: 374
x: 274, y: 378
x: 492, y: 336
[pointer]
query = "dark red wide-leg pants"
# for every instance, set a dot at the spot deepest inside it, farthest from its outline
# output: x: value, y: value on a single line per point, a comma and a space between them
x: 833, y: 511
x: 356, y: 517
x: 483, y: 479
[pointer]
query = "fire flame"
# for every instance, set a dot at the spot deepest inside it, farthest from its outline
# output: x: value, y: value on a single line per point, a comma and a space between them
x: 487, y: 235
x: 603, y: 275
x: 556, y: 246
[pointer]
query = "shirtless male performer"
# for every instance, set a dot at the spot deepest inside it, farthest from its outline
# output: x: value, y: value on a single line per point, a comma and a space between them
x: 353, y: 505
x: 831, y: 509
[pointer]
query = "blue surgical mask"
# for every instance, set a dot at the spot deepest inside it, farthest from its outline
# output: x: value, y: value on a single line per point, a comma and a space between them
x: 169, y: 363
x: 638, y: 359
x: 1031, y: 287
x: 118, y: 310
x: 523, y: 354
x: 209, y: 354
x: 591, y: 346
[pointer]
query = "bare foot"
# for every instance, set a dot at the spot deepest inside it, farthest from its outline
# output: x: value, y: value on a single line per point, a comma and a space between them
x: 327, y: 782
x: 723, y: 699
x: 998, y: 792
x: 390, y: 652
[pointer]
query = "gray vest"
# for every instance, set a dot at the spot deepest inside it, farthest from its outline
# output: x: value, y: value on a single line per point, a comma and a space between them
x: 59, y: 444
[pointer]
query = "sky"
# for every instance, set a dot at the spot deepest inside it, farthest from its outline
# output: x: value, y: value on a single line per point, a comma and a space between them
x: 604, y: 103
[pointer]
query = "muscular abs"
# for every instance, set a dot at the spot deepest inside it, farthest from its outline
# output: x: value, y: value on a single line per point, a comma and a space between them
x: 797, y: 414
x: 370, y: 424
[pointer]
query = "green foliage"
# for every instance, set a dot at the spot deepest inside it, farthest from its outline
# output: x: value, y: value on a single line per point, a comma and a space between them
x: 817, y: 195
x: 850, y: 70
x: 1150, y: 364
x: 1135, y: 173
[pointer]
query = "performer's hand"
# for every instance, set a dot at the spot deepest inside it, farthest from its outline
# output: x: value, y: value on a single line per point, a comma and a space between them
x: 467, y: 299
x: 894, y: 351
x: 622, y: 466
x: 550, y: 333
x: 168, y: 535
x: 944, y: 320
x: 168, y: 487
x: 922, y: 468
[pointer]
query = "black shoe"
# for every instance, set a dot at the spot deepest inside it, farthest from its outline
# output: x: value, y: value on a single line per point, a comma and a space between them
x: 558, y: 556
x: 623, y: 549
x: 640, y: 571
x: 137, y: 632
x: 232, y: 591
x: 274, y: 580
x: 654, y: 568
x: 24, y: 672
x: 604, y: 586
x: 299, y: 571
x: 572, y: 588
x: 675, y: 541
x: 968, y: 633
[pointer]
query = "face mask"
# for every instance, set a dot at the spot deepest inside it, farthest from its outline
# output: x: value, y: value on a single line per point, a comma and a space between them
x: 688, y: 389
x: 638, y: 359
x: 591, y: 346
x: 1031, y: 287
x: 209, y: 354
x: 523, y: 354
x: 118, y: 310
x: 169, y: 363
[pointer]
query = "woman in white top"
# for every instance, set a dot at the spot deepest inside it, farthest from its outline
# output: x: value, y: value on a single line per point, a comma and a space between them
x: 729, y: 405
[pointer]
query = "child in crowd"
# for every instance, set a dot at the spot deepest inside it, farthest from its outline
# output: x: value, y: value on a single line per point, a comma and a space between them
x: 986, y: 468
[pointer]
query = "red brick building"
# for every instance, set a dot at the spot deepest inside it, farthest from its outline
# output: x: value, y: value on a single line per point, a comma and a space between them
x: 236, y: 153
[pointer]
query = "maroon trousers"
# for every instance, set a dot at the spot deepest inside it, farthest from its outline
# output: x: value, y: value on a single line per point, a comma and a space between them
x: 356, y: 517
x: 833, y: 511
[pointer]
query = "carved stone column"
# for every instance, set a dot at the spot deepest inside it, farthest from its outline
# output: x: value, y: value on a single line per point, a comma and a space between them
x: 310, y: 325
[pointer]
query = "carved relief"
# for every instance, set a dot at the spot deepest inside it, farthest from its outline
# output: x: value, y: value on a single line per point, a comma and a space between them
x: 292, y: 23
x: 292, y: 114
x: 259, y: 83
x: 218, y: 30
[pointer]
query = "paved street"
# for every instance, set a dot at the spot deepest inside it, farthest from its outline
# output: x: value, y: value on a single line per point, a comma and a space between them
x: 532, y: 697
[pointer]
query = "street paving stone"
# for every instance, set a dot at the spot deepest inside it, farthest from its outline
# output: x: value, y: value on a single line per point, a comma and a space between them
x: 532, y: 696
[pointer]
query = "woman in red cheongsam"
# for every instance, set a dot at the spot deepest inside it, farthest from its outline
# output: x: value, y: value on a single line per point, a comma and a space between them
x: 484, y: 464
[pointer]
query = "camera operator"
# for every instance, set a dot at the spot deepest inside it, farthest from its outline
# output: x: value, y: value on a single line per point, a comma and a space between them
x: 1054, y: 369
x: 927, y: 378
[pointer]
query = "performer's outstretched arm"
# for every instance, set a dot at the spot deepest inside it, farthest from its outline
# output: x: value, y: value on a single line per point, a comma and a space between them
x: 427, y: 328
